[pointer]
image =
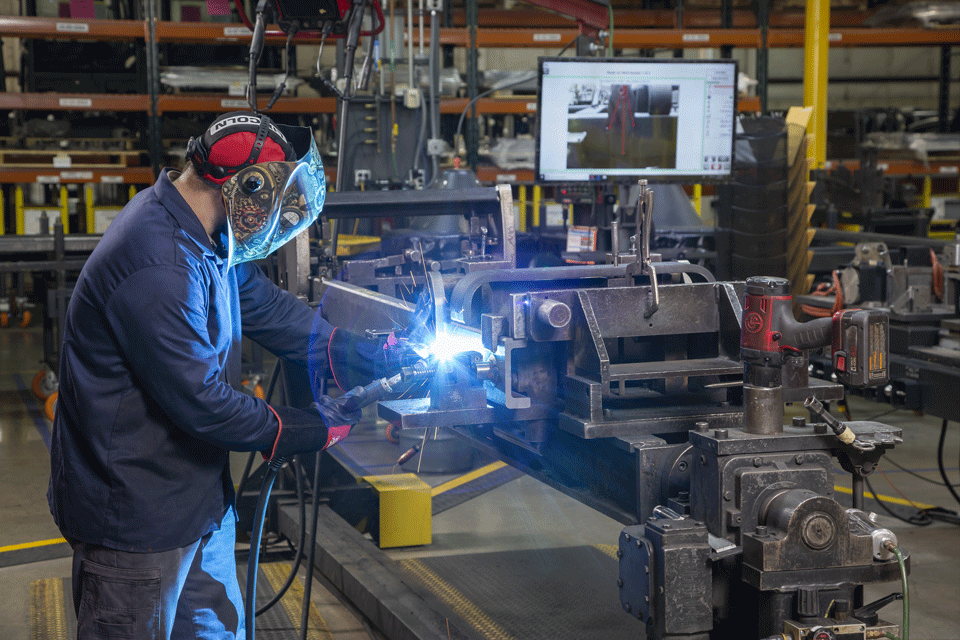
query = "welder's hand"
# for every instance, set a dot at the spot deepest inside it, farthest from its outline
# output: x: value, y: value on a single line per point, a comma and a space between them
x: 313, y: 428
x: 395, y: 352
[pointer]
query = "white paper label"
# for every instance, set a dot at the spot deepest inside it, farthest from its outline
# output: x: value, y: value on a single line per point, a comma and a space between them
x: 696, y: 37
x: 554, y: 215
x: 48, y: 179
x: 883, y: 166
x: 546, y: 37
x: 73, y: 27
x: 950, y: 170
x: 506, y: 177
x: 234, y: 104
x: 237, y: 32
x: 835, y: 37
x: 237, y: 89
x: 83, y: 103
x: 61, y: 161
x: 111, y: 179
x: 532, y: 107
x: 76, y: 175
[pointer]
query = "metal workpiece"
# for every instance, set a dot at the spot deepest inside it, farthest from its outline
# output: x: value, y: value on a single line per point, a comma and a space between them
x: 762, y: 410
x: 466, y: 305
x: 347, y: 305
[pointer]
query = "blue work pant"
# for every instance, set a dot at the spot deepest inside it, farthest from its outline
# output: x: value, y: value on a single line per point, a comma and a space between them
x: 186, y: 593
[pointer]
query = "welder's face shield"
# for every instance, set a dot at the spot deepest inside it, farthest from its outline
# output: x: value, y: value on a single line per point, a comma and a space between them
x: 269, y: 203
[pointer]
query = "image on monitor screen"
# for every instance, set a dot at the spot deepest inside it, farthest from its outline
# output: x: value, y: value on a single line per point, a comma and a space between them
x: 618, y: 118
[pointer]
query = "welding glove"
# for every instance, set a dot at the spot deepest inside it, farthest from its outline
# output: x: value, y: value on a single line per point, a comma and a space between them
x: 355, y: 360
x: 316, y: 427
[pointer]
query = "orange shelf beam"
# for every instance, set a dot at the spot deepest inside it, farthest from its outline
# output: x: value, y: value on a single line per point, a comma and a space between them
x: 641, y: 29
x: 70, y: 29
x: 131, y: 175
x: 224, y: 103
x: 74, y: 101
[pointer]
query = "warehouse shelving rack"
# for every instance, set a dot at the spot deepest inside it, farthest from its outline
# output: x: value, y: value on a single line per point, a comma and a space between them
x: 642, y: 29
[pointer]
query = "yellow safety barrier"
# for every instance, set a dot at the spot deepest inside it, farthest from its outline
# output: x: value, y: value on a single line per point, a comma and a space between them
x: 88, y: 200
x: 522, y: 208
x: 64, y: 210
x: 536, y: 206
x: 18, y: 210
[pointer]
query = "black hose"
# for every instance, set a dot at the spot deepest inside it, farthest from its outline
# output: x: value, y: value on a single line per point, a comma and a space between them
x: 920, y: 519
x: 245, y: 476
x: 254, y: 559
x: 303, y: 526
x: 943, y: 471
x: 311, y: 552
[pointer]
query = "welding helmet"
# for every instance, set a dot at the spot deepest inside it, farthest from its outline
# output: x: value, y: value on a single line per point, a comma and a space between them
x: 271, y: 177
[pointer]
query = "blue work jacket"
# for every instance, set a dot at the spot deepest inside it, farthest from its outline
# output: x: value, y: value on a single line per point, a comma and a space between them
x: 146, y: 415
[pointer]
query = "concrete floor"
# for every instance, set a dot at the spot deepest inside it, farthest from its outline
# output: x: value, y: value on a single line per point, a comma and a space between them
x: 520, y: 515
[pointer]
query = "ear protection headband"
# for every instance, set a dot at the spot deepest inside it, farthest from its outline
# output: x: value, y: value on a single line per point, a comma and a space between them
x: 198, y: 149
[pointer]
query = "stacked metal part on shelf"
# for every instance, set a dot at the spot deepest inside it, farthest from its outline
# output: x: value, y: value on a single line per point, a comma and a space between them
x: 764, y: 212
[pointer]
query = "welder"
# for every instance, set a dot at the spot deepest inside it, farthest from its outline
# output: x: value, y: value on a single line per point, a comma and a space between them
x: 147, y: 412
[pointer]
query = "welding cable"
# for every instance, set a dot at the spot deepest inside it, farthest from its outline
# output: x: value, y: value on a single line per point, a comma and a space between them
x: 501, y: 87
x: 919, y: 519
x: 915, y: 474
x: 311, y: 552
x: 283, y: 85
x: 300, y: 540
x: 271, y: 386
x: 943, y: 470
x: 253, y: 559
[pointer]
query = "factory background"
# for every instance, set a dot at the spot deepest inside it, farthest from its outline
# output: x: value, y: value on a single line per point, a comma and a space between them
x: 518, y: 522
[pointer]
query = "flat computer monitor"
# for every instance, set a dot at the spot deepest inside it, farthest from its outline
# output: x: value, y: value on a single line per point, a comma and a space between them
x: 620, y: 119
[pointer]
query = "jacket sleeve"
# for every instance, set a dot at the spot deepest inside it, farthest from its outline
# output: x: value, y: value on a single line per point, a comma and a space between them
x: 158, y: 317
x: 288, y: 328
x: 278, y: 320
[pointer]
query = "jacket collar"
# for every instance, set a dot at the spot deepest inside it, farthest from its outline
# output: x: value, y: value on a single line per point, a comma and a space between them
x: 168, y: 194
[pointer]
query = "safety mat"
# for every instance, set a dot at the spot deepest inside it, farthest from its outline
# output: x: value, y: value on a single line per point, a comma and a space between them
x: 548, y: 594
x: 53, y: 618
x: 498, y: 475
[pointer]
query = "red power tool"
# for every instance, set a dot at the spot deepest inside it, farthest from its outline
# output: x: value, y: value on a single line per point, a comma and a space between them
x: 859, y: 338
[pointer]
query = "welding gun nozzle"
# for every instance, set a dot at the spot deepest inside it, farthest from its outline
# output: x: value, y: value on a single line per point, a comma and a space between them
x: 412, y: 451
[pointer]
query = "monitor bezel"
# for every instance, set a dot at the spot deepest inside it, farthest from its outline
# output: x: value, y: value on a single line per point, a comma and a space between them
x: 633, y: 177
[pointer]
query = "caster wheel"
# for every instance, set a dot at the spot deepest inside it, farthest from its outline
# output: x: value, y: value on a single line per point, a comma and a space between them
x: 50, y: 406
x: 44, y: 384
x: 4, y: 319
x: 25, y: 319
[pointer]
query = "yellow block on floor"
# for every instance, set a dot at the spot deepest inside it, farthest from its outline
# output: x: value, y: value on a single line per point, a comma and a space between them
x: 406, y: 509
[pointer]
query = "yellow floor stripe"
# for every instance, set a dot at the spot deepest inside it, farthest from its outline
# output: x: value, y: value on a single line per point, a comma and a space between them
x: 900, y: 501
x: 48, y: 615
x: 292, y: 601
x: 456, y: 601
x: 31, y: 545
x: 608, y: 549
x: 467, y: 477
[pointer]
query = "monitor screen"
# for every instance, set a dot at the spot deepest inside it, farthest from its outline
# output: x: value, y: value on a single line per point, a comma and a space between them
x: 618, y: 119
